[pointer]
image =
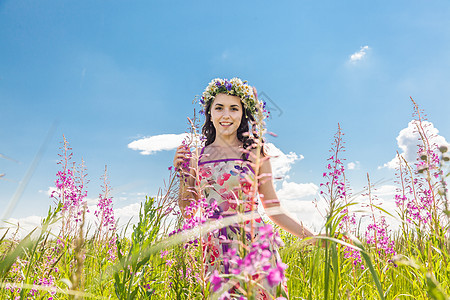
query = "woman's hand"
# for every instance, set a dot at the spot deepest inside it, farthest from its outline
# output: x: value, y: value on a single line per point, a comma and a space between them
x: 182, y: 162
x: 182, y: 157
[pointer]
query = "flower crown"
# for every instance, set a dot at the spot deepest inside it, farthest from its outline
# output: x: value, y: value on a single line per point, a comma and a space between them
x: 233, y: 87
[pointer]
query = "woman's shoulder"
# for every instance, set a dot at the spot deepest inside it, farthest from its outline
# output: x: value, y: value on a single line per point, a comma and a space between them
x: 254, y: 152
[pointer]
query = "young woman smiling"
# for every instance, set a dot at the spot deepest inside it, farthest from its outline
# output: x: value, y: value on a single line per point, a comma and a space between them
x: 225, y: 170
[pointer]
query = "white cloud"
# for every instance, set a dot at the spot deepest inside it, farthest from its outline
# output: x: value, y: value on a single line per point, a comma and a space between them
x: 150, y: 145
x: 359, y: 55
x: 353, y: 165
x: 23, y: 226
x: 281, y: 162
x: 408, y: 141
x: 386, y: 190
x: 294, y: 198
x: 49, y: 191
x: 27, y: 224
x: 307, y: 213
x: 126, y: 213
x: 293, y: 190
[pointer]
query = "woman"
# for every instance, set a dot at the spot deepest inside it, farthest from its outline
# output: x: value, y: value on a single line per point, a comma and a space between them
x: 225, y: 172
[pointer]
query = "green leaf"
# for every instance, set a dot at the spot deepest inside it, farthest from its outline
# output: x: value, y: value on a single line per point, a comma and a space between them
x: 11, y: 257
x: 434, y: 291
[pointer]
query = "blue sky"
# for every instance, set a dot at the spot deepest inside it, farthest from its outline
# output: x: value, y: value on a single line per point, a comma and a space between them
x: 110, y: 73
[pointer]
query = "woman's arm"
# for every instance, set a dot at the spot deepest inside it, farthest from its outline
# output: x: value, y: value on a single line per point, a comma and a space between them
x: 270, y: 200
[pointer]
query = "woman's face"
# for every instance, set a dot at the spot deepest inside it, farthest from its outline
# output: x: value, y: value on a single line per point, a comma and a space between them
x: 226, y: 114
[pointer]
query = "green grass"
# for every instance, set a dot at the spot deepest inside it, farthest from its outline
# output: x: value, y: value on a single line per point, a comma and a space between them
x: 422, y: 270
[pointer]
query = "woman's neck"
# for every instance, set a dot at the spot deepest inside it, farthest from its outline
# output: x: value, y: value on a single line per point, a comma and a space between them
x: 226, y: 141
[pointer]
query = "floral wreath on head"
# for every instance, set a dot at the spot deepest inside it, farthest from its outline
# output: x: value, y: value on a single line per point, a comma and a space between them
x: 233, y: 87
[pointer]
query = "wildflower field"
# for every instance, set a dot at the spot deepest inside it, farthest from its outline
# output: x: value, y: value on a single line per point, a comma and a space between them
x: 162, y: 258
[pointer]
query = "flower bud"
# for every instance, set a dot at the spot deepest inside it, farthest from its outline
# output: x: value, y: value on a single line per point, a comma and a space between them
x: 443, y: 149
x: 422, y: 169
x: 423, y: 156
x: 445, y: 157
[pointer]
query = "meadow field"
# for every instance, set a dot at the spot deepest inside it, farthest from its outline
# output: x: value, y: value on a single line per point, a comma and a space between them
x: 161, y: 256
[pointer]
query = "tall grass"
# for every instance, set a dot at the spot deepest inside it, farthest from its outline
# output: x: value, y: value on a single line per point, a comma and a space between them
x: 163, y: 258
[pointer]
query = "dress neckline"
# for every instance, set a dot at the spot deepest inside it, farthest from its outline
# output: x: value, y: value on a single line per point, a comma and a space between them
x: 218, y: 160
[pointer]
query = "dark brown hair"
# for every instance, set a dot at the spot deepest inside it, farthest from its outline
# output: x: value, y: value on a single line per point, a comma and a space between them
x: 243, y: 132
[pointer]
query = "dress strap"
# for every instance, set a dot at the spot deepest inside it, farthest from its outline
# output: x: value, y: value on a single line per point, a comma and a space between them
x: 201, y: 154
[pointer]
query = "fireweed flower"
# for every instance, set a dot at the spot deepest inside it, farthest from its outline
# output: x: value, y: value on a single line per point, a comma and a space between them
x: 225, y: 296
x: 257, y: 261
x: 45, y: 282
x: 105, y: 213
x: 336, y: 192
x: 70, y: 190
x: 169, y: 262
x: 276, y: 275
x: 416, y: 200
x: 184, y: 167
x: 105, y: 219
x: 420, y: 185
x: 377, y: 234
x: 164, y: 253
x: 195, y: 220
x: 355, y: 256
x: 216, y: 281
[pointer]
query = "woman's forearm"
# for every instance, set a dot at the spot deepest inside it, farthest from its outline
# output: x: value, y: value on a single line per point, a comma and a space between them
x: 289, y: 223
